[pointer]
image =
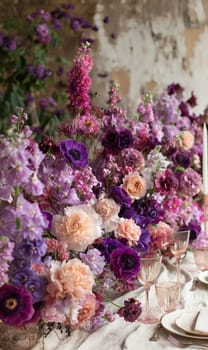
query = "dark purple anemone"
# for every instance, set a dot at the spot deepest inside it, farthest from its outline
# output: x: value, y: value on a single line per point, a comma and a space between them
x: 125, y: 139
x: 75, y: 153
x: 110, y: 140
x: 109, y: 245
x: 124, y: 263
x: 16, y: 306
x: 120, y: 196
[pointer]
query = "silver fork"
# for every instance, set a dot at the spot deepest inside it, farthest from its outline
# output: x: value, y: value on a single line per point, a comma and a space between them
x: 155, y: 335
x: 185, y: 343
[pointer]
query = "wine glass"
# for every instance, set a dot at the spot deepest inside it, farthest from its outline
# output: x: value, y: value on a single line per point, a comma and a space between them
x: 168, y: 295
x: 150, y: 265
x: 178, y: 247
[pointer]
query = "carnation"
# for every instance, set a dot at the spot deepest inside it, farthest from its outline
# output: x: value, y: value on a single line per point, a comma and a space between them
x: 78, y: 227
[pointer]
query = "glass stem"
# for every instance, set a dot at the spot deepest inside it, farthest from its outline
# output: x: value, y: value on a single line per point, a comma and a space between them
x: 147, y: 307
x: 178, y: 268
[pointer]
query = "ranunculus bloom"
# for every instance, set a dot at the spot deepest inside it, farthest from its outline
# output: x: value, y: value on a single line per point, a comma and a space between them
x: 129, y: 230
x: 109, y: 210
x: 125, y: 263
x: 79, y: 227
x: 72, y: 278
x: 16, y: 306
x: 75, y: 153
x: 134, y: 185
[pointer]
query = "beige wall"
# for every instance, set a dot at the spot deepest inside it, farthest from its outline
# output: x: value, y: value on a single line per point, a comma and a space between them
x: 156, y: 42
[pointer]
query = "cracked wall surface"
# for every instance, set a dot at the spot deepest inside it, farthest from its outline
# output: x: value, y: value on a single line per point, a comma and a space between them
x: 146, y: 45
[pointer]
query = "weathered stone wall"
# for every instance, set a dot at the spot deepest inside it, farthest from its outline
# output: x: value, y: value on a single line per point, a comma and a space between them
x: 146, y: 45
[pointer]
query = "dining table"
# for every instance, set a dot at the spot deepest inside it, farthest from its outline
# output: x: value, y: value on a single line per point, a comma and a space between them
x: 123, y: 335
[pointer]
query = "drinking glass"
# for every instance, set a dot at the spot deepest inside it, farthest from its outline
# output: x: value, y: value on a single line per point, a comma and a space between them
x: 150, y: 266
x: 201, y: 258
x: 178, y: 247
x: 168, y: 295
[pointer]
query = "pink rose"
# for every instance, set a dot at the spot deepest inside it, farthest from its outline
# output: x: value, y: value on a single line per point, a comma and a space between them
x: 134, y: 185
x: 129, y: 230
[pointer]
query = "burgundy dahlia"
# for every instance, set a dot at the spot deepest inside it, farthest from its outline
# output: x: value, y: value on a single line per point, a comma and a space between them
x: 16, y: 306
x: 131, y: 310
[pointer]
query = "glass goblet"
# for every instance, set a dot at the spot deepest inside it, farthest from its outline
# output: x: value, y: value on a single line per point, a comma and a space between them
x: 150, y: 266
x: 168, y: 295
x: 178, y: 246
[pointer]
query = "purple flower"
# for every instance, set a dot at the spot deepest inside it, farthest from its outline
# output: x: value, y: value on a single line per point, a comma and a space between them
x: 9, y: 43
x: 144, y: 240
x: 182, y: 159
x: 75, y: 153
x: 37, y: 287
x: 166, y: 182
x: 31, y: 250
x: 16, y: 307
x: 110, y: 140
x: 184, y: 108
x: 106, y: 19
x: 94, y: 260
x: 43, y: 33
x: 194, y: 227
x: 120, y: 196
x: 125, y: 139
x: 109, y: 245
x: 131, y: 310
x: 189, y: 182
x: 124, y: 262
x: 175, y: 88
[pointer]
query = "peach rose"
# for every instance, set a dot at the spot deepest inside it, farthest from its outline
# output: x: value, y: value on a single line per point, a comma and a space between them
x: 186, y: 140
x: 108, y: 210
x: 79, y: 227
x: 128, y: 229
x: 134, y: 185
x: 72, y: 278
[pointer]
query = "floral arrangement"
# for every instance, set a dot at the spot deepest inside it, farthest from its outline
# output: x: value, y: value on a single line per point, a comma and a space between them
x: 76, y: 212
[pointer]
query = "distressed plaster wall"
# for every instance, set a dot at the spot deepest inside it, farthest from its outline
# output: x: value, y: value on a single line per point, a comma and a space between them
x: 156, y: 42
x: 146, y: 45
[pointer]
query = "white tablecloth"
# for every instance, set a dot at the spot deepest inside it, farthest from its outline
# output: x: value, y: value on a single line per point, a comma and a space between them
x: 135, y: 336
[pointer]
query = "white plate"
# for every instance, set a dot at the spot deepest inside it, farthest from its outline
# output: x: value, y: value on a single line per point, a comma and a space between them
x: 169, y: 323
x: 186, y: 321
x: 203, y: 277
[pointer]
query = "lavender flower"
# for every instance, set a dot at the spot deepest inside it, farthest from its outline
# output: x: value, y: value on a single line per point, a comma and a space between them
x: 94, y: 260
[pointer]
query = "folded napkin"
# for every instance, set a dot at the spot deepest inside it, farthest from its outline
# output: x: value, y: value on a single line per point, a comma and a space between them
x: 201, y: 321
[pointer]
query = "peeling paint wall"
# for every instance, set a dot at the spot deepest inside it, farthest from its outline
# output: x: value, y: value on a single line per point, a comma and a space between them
x: 146, y: 45
x: 156, y: 42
